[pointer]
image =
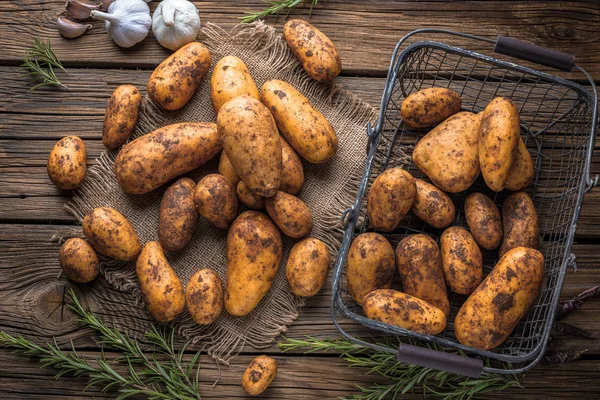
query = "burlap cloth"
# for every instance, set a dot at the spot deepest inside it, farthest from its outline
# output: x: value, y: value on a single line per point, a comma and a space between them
x: 328, y: 190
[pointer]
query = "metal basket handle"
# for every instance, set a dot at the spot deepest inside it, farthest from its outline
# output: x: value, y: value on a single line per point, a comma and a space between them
x: 534, y: 53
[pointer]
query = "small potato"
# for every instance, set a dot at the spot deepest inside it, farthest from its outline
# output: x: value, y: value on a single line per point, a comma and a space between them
x: 79, y: 261
x: 259, y: 375
x: 122, y: 112
x: 495, y: 308
x: 160, y: 285
x: 315, y: 51
x: 432, y: 205
x: 204, y: 296
x: 249, y: 199
x: 370, y: 265
x: 307, y: 267
x: 216, y: 200
x: 520, y: 222
x: 67, y: 163
x: 178, y: 218
x: 461, y: 259
x: 419, y: 264
x: 175, y: 80
x: 230, y: 79
x: 484, y: 221
x: 400, y: 309
x: 111, y: 234
x: 391, y: 196
x: 292, y: 171
x: 429, y: 107
x: 290, y: 214
x: 521, y: 173
x: 226, y: 169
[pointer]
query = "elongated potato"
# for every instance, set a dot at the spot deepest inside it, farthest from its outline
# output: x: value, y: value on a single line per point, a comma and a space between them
x: 175, y: 80
x: 391, y: 196
x: 419, y: 265
x: 461, y: 259
x: 302, y: 125
x: 259, y: 375
x: 251, y: 141
x: 253, y: 256
x: 370, y: 265
x: 249, y: 199
x: 230, y: 79
x: 67, y: 163
x: 495, y: 308
x: 111, y: 234
x: 152, y: 160
x: 292, y: 171
x: 291, y: 215
x: 122, y: 112
x: 520, y: 223
x: 432, y: 205
x: 178, y: 218
x: 307, y: 266
x: 484, y: 220
x: 216, y: 200
x: 226, y: 169
x: 160, y: 285
x: 204, y: 296
x: 521, y: 172
x: 400, y: 309
x: 79, y: 261
x: 429, y: 107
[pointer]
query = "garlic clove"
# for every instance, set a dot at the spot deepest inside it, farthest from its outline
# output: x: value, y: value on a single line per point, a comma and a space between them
x: 80, y: 9
x: 71, y: 29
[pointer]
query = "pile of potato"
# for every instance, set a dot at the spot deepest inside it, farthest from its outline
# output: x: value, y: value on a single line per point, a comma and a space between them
x: 459, y: 147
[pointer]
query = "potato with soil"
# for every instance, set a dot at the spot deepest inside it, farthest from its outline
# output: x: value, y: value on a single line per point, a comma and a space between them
x: 175, y: 80
x: 484, y: 220
x: 520, y: 222
x: 216, y: 200
x: 432, y: 205
x: 67, y: 163
x: 79, y: 261
x: 429, y: 107
x: 259, y: 375
x: 249, y: 199
x: 152, y: 160
x: 122, y: 112
x: 292, y: 171
x: 111, y: 234
x: 495, y: 308
x: 230, y: 79
x: 461, y: 259
x: 521, y: 173
x: 307, y: 267
x: 178, y: 219
x: 391, y: 196
x: 204, y: 296
x: 226, y: 169
x: 291, y: 215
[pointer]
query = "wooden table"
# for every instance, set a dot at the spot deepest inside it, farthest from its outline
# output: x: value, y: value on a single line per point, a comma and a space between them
x: 31, y: 208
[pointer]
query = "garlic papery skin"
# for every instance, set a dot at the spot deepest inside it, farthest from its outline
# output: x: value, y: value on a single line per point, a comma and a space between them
x: 71, y: 29
x: 80, y: 9
x: 127, y: 21
x: 175, y: 23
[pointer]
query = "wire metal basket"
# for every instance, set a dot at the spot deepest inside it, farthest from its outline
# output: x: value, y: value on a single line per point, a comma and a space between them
x: 558, y: 124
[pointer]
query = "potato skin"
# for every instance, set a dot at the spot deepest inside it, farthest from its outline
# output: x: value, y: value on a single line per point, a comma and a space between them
x: 67, y: 163
x: 315, y: 51
x: 429, y: 107
x: 122, y: 112
x: 520, y: 222
x: 175, y: 80
x: 419, y: 265
x: 178, y: 219
x: 370, y: 265
x: 521, y: 173
x: 302, y: 125
x: 226, y: 169
x: 461, y: 260
x: 400, y: 309
x: 291, y: 215
x: 307, y: 266
x: 79, y: 261
x: 495, y: 308
x: 216, y: 200
x: 292, y: 171
x: 111, y: 234
x: 432, y: 205
x: 484, y: 220
x: 259, y: 375
x: 391, y: 196
x: 230, y: 79
x: 160, y: 285
x: 251, y: 141
x: 152, y: 160
x: 249, y: 199
x: 204, y: 296
x: 253, y: 255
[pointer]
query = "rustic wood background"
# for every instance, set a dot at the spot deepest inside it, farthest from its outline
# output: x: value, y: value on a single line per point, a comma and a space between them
x: 31, y: 208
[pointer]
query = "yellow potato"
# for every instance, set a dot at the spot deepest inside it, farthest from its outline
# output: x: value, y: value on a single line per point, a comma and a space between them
x: 432, y: 205
x: 204, y: 296
x: 521, y: 173
x: 227, y: 170
x: 461, y: 259
x: 216, y: 200
x: 259, y: 375
x: 290, y: 214
x: 307, y: 266
x: 79, y: 261
x: 230, y: 79
x: 111, y: 234
x: 292, y: 171
x: 484, y: 220
x: 391, y: 196
x: 429, y: 107
x: 520, y: 222
x: 249, y: 199
x: 122, y: 112
x: 178, y: 218
x: 67, y: 163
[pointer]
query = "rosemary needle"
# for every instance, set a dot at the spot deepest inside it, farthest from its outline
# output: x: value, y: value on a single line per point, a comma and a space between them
x: 40, y: 62
x: 275, y: 6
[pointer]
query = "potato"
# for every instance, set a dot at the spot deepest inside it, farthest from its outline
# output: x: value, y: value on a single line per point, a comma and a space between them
x: 67, y: 163
x: 227, y: 170
x: 122, y: 112
x: 290, y: 214
x: 370, y: 265
x: 111, y: 234
x: 292, y: 171
x: 216, y: 200
x: 204, y: 296
x: 230, y: 79
x: 461, y: 260
x: 259, y: 375
x: 432, y: 205
x: 419, y: 265
x: 302, y: 125
x: 178, y: 218
x: 520, y: 222
x: 429, y: 107
x: 521, y: 172
x: 152, y: 160
x: 251, y: 141
x: 160, y: 285
x: 315, y: 51
x: 449, y: 153
x: 79, y: 261
x: 391, y: 196
x: 484, y: 221
x: 307, y: 267
x: 253, y: 256
x: 249, y: 199
x: 175, y: 80
x: 400, y: 309
x: 500, y: 133
x: 495, y: 308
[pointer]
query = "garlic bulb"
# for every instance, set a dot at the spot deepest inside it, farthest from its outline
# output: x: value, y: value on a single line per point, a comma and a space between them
x: 127, y: 21
x: 175, y: 23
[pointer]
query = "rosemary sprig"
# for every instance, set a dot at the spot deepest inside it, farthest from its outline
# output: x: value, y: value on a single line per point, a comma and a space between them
x: 40, y: 62
x: 274, y: 7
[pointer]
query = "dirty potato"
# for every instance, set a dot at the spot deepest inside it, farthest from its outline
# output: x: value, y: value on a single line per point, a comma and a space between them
x: 432, y: 205
x: 292, y: 171
x: 178, y: 219
x: 249, y: 199
x: 122, y: 112
x: 521, y: 173
x: 204, y: 296
x: 226, y: 169
x: 259, y: 375
x: 291, y: 215
x: 230, y: 79
x: 520, y: 222
x: 67, y: 163
x: 79, y: 261
x: 216, y: 200
x: 111, y: 234
x: 391, y: 196
x: 307, y: 267
x: 429, y: 107
x: 461, y: 259
x: 484, y: 221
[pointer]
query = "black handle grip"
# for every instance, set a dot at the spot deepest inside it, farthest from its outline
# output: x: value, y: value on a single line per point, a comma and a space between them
x: 532, y: 52
x: 439, y: 360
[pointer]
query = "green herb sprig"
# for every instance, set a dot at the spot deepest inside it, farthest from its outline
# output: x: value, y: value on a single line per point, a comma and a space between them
x: 40, y: 62
x: 275, y: 7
